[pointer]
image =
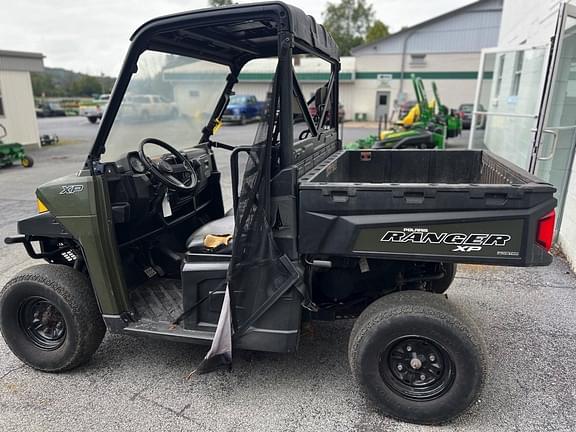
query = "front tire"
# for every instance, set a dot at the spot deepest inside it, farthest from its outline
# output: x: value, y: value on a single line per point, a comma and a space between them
x: 49, y: 318
x: 418, y: 357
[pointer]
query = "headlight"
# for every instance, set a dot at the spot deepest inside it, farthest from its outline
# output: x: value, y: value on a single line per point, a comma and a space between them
x: 41, y: 206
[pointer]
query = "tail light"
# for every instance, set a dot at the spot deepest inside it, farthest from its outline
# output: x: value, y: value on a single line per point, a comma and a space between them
x: 546, y: 230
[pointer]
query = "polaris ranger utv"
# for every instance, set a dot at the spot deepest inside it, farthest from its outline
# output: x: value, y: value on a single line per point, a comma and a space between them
x: 138, y: 242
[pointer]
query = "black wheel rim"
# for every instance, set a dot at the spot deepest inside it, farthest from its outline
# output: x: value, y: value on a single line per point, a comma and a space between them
x: 416, y: 367
x: 42, y: 322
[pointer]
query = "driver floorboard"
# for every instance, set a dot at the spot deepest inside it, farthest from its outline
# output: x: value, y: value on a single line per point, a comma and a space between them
x: 158, y: 300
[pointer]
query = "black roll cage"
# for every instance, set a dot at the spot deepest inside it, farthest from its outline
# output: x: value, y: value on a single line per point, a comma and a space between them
x: 279, y: 30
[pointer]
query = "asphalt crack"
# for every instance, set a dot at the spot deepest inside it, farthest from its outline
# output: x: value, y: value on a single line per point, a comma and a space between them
x: 10, y: 371
x: 176, y: 413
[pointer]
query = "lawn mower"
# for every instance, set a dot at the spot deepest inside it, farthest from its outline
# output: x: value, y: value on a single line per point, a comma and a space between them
x: 12, y: 152
x: 419, y: 129
x: 452, y: 120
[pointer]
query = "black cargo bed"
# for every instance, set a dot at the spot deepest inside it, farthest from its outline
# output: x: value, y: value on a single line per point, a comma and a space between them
x: 464, y: 191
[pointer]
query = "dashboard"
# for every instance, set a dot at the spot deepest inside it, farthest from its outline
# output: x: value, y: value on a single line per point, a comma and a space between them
x: 136, y: 196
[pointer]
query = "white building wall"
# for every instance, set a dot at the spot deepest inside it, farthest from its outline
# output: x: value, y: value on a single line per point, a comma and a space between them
x: 18, y: 99
x: 467, y: 29
x: 452, y: 89
x: 527, y: 21
x: 567, y: 235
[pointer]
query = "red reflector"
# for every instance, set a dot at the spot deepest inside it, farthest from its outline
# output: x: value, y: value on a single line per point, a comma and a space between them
x: 546, y: 230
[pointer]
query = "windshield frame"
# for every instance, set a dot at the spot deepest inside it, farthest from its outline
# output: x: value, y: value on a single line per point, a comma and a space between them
x: 118, y: 94
x: 295, y: 33
x: 120, y: 140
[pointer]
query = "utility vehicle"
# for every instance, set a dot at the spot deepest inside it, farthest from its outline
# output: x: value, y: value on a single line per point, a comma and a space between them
x: 138, y: 242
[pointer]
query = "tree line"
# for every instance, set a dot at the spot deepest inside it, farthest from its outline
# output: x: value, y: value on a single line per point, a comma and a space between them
x: 57, y: 82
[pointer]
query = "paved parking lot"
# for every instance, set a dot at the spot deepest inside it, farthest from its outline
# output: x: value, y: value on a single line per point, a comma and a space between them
x: 135, y: 384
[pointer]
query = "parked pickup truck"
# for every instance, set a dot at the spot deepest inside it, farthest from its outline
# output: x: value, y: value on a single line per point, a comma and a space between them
x: 242, y: 109
x: 95, y: 110
x: 50, y: 109
x: 145, y: 107
x: 138, y: 242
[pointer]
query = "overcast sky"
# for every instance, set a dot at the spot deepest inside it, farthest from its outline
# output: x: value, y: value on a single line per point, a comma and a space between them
x: 92, y: 36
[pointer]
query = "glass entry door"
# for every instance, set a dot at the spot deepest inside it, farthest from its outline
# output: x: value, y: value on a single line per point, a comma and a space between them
x: 555, y: 136
x: 525, y: 106
x: 508, y: 99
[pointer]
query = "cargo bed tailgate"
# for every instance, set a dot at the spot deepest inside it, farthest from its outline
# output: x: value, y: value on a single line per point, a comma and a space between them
x: 488, y: 221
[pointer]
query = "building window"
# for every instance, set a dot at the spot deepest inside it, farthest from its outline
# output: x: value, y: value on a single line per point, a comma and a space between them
x: 517, y: 73
x: 499, y: 74
x: 417, y: 59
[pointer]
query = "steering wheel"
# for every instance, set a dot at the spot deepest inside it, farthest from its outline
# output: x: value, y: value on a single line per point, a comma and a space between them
x: 165, y: 171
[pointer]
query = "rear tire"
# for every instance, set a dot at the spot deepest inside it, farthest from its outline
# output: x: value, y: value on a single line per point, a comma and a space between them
x: 440, y: 286
x: 27, y: 162
x: 49, y: 317
x: 418, y: 357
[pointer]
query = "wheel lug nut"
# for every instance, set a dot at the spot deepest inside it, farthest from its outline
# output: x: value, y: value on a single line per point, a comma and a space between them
x: 432, y: 358
x: 400, y: 367
x: 422, y: 377
x: 408, y: 348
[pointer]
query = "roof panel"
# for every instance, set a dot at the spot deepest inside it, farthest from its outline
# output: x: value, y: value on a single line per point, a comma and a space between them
x: 216, y: 31
x: 468, y: 29
x: 21, y: 61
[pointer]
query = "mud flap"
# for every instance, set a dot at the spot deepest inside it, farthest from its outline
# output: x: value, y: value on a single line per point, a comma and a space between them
x: 220, y: 353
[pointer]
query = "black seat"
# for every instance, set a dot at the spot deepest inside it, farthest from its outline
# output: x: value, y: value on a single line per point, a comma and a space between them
x: 222, y: 226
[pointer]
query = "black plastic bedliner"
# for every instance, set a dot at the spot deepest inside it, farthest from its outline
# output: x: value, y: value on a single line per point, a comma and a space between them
x: 417, y: 166
x: 383, y: 181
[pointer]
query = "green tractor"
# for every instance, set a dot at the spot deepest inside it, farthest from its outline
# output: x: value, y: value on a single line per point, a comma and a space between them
x: 420, y: 129
x: 10, y: 153
x: 452, y: 120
